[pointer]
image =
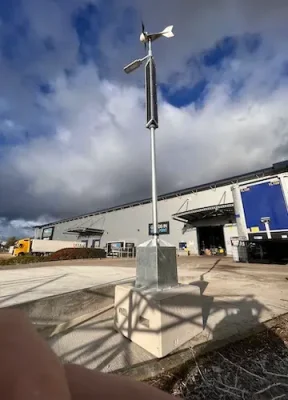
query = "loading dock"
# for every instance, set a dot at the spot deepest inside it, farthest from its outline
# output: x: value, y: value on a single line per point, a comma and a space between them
x: 211, y: 224
x: 211, y: 238
x: 91, y: 237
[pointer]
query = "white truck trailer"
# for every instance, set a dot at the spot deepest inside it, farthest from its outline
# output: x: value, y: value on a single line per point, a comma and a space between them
x: 42, y: 247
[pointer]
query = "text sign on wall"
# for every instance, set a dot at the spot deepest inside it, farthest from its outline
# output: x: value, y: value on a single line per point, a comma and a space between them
x: 47, y: 233
x: 163, y: 228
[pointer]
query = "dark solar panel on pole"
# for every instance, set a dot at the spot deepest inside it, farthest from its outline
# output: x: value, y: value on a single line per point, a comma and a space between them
x: 151, y: 93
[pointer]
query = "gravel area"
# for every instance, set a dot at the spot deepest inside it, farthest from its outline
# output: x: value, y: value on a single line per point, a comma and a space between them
x: 254, y: 368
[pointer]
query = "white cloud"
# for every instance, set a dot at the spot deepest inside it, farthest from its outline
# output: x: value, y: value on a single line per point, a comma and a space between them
x: 100, y: 152
x: 97, y: 151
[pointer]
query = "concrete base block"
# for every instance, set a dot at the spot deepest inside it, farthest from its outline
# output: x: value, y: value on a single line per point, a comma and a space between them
x: 159, y: 321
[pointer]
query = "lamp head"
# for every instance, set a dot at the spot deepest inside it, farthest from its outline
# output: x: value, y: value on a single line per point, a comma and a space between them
x: 132, y: 66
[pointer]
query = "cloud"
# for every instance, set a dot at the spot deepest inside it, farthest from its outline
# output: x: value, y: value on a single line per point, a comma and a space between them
x: 100, y: 153
x: 17, y: 228
x: 82, y: 144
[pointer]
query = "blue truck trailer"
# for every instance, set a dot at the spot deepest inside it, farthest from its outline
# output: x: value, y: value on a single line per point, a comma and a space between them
x: 261, y: 211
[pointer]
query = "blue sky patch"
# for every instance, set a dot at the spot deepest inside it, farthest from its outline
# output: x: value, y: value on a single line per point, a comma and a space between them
x: 8, y: 9
x: 45, y: 88
x: 216, y: 55
x: 129, y: 21
x: 216, y: 58
x: 252, y: 42
x: 49, y: 44
x: 88, y: 22
x: 13, y: 41
x: 226, y: 49
x: 285, y: 69
x: 186, y: 95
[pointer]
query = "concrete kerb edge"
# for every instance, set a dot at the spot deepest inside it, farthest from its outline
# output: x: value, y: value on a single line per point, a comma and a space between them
x: 50, y: 328
x: 173, y: 362
x: 104, y: 285
x: 67, y: 326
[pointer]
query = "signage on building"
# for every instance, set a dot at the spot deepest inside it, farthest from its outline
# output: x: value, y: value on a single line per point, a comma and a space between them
x: 116, y: 245
x: 47, y: 233
x: 163, y: 228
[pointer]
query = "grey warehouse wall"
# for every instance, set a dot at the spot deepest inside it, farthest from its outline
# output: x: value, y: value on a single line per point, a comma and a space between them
x: 131, y: 224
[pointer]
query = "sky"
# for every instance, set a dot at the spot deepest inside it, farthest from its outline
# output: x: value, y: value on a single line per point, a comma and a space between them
x: 72, y: 124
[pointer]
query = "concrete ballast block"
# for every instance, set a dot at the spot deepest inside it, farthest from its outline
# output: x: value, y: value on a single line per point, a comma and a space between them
x: 159, y: 321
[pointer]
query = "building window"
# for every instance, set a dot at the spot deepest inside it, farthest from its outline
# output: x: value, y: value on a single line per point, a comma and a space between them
x: 96, y: 243
x: 47, y: 233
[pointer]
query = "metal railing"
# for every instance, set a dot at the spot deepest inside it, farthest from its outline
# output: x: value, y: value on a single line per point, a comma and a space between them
x: 123, y: 253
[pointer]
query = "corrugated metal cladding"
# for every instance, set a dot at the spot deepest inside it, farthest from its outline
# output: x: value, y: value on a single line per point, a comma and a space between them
x: 132, y: 222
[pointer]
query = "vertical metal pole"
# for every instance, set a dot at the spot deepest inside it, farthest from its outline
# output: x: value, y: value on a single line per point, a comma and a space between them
x: 153, y: 166
x: 154, y: 183
x: 150, y: 48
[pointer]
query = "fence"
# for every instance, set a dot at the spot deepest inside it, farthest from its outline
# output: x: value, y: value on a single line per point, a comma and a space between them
x: 123, y: 253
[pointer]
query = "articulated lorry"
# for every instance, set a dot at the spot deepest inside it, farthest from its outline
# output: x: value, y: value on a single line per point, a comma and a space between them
x: 261, y: 210
x: 42, y: 247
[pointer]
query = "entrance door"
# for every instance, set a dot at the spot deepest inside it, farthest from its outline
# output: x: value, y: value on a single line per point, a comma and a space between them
x: 95, y: 243
x: 211, y: 238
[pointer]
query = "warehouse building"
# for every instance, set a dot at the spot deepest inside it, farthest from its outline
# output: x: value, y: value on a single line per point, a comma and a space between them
x: 198, y: 218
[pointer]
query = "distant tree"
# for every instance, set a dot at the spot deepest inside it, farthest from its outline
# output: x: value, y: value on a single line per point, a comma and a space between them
x: 11, y: 241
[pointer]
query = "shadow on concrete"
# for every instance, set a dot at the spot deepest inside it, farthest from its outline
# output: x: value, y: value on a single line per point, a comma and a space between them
x: 218, y: 320
x: 4, y: 299
x: 66, y: 309
x: 201, y: 283
x: 95, y: 343
x: 213, y: 266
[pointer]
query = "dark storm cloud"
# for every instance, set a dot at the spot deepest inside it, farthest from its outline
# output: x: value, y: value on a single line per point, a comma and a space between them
x: 72, y: 130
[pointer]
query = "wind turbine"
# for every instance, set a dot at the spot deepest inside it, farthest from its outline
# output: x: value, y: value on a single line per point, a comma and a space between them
x: 145, y: 37
x: 152, y: 124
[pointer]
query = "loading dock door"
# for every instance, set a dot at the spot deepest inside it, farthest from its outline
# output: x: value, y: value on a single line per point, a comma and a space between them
x: 210, y: 237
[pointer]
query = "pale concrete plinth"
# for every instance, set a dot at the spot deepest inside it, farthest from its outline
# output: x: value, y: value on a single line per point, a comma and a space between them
x: 159, y: 321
